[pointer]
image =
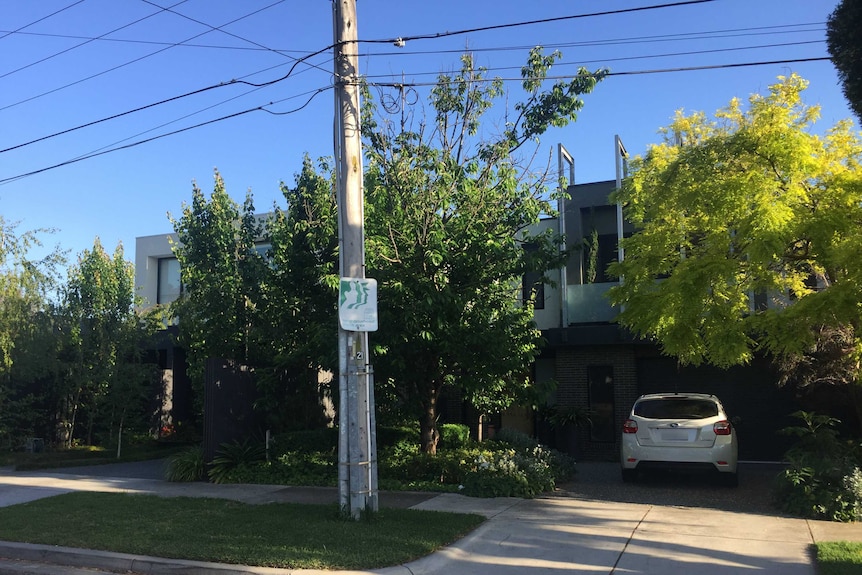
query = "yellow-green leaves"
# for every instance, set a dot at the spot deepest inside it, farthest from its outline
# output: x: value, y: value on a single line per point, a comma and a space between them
x: 753, y: 204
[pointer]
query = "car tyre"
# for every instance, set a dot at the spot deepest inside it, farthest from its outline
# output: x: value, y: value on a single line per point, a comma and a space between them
x: 629, y: 475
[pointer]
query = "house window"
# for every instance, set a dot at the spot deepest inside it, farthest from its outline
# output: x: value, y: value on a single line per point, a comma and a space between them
x: 534, y: 289
x: 599, y: 244
x: 600, y: 379
x: 532, y: 286
x: 170, y: 286
x: 262, y: 249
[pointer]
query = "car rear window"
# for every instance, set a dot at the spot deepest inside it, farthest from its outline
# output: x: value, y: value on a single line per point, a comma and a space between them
x: 676, y: 408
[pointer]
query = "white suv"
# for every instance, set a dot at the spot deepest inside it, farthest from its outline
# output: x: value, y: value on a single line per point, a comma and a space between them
x: 682, y: 430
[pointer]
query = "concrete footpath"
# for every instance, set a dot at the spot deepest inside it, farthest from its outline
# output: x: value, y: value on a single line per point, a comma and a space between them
x: 563, y: 532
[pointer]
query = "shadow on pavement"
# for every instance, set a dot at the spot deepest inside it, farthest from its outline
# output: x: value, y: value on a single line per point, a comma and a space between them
x: 602, y: 481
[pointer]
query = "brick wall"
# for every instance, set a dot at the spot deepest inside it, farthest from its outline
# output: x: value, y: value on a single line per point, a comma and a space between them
x: 573, y: 389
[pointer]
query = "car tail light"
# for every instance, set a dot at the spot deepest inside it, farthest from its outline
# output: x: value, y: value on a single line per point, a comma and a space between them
x: 630, y: 426
x: 722, y: 427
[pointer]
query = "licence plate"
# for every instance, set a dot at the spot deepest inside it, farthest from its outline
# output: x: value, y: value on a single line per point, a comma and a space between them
x: 674, y: 435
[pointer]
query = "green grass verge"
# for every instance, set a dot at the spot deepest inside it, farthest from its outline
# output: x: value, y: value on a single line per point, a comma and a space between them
x: 284, y: 535
x: 839, y: 558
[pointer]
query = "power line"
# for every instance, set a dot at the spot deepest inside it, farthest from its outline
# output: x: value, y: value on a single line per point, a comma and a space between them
x: 396, y: 85
x: 43, y: 18
x: 625, y: 73
x: 533, y: 22
x: 84, y: 43
x: 257, y: 86
x: 231, y: 34
x: 408, y: 38
x: 165, y: 101
x: 641, y: 57
x: 261, y: 108
x: 131, y: 61
x: 682, y: 36
x: 196, y: 112
x: 235, y: 81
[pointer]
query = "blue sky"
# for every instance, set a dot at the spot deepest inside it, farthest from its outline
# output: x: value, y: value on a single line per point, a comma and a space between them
x: 67, y: 63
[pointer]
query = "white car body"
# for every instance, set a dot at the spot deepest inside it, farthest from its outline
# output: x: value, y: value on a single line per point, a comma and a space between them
x: 678, y: 430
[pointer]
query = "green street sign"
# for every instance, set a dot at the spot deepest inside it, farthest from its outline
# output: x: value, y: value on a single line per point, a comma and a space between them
x: 357, y: 304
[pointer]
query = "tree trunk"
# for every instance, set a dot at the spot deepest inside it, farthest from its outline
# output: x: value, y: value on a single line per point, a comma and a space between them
x: 428, y: 433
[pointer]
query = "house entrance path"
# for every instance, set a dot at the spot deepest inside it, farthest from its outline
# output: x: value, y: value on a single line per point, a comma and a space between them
x: 597, y: 525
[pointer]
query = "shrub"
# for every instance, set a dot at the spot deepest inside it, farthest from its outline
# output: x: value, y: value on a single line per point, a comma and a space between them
x: 187, y: 465
x: 515, y: 438
x: 520, y: 469
x: 454, y: 435
x: 511, y: 472
x: 235, y: 456
x: 392, y: 435
x: 305, y: 441
x: 823, y: 478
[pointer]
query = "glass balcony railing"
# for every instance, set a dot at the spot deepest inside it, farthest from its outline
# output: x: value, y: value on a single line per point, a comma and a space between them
x: 587, y: 303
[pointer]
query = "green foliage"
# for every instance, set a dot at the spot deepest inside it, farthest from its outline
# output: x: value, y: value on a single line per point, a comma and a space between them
x: 516, y: 465
x: 235, y: 457
x: 751, y: 203
x: 187, y: 465
x: 301, y: 294
x: 445, y: 217
x: 844, y: 40
x: 516, y: 472
x: 389, y: 435
x: 515, y: 438
x: 28, y: 356
x: 106, y: 382
x: 306, y: 441
x: 446, y: 212
x: 563, y: 415
x: 454, y: 435
x: 823, y: 479
x: 222, y: 274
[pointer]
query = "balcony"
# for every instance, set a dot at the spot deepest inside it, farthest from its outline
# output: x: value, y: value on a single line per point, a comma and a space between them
x: 587, y: 303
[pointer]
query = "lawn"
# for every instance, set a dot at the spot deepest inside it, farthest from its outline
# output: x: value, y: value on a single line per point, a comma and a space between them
x: 839, y: 558
x: 284, y: 535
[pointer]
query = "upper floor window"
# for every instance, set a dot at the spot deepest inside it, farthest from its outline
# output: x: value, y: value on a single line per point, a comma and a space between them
x: 532, y: 286
x: 170, y: 285
x: 262, y: 249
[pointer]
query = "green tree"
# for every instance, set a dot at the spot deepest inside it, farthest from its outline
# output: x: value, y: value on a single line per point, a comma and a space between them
x: 105, y: 378
x: 301, y: 296
x: 750, y: 207
x: 222, y: 273
x: 844, y: 40
x: 448, y: 206
x: 26, y: 339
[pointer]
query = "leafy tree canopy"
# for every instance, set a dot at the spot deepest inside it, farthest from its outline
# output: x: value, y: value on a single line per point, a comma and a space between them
x: 448, y: 205
x: 844, y: 40
x: 447, y: 209
x: 753, y: 223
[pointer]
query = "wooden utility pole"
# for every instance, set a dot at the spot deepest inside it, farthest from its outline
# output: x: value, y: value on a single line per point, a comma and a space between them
x: 357, y: 445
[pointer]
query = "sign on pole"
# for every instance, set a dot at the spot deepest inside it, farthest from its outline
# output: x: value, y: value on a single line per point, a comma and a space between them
x: 357, y: 304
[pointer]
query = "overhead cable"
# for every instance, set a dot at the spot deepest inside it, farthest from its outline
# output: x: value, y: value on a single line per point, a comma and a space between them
x: 261, y: 108
x: 85, y: 42
x: 103, y: 72
x: 42, y: 19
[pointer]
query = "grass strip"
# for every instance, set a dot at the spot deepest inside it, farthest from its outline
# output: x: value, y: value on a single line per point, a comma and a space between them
x: 839, y: 558
x: 285, y: 535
